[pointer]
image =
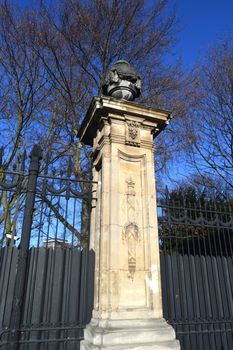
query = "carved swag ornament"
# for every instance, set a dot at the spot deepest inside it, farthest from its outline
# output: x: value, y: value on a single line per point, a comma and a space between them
x: 131, y: 234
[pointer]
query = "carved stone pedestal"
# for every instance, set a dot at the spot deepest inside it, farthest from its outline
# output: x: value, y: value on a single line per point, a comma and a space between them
x: 151, y: 334
x: 124, y: 233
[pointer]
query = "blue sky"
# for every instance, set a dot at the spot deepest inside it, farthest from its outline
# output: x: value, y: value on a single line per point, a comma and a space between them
x: 203, y: 23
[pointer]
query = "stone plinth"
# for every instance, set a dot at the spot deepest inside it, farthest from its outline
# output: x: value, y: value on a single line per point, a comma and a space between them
x: 124, y: 233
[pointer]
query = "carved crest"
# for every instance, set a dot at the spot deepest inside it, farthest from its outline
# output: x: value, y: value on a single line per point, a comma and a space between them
x: 133, y: 133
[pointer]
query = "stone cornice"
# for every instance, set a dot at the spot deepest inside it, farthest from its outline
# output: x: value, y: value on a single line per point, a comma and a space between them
x: 109, y: 108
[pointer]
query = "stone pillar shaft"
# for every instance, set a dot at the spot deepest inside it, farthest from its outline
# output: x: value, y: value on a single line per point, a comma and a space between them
x: 124, y: 230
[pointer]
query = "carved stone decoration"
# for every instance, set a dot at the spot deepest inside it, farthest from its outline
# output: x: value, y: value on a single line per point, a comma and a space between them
x: 131, y: 236
x: 122, y: 82
x: 132, y: 133
x: 131, y: 231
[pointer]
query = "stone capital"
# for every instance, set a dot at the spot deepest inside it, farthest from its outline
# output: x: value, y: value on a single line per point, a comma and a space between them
x: 135, y: 117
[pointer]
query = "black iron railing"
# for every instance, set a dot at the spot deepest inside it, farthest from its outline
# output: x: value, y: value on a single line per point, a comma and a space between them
x: 196, y: 244
x: 196, y: 228
x: 45, y: 269
x: 53, y: 206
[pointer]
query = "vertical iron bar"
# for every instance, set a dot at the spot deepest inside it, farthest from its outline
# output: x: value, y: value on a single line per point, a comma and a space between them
x: 74, y: 216
x: 3, y: 239
x: 85, y: 217
x: 229, y: 209
x: 182, y: 213
x: 36, y: 155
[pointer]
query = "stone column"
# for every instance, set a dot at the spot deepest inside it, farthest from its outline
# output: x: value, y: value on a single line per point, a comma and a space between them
x: 124, y: 232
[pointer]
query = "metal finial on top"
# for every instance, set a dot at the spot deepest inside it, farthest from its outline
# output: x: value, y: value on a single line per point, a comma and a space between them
x: 122, y: 82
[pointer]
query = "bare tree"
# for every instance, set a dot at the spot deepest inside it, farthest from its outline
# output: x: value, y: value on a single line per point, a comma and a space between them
x: 208, y: 130
x: 53, y: 60
x: 78, y: 41
x: 22, y: 81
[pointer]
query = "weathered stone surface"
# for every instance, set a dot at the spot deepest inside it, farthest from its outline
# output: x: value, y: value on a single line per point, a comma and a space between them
x: 124, y: 232
x: 168, y: 345
x: 154, y: 334
x: 104, y: 108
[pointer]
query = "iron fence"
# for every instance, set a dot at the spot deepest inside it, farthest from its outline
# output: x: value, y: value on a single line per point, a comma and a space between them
x: 196, y: 241
x: 45, y: 269
x: 59, y: 205
x: 196, y: 227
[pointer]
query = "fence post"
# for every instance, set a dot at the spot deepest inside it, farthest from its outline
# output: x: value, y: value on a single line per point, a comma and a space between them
x: 85, y: 218
x: 35, y: 156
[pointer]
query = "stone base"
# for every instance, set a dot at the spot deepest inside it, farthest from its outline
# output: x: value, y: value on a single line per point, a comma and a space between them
x: 151, y: 334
